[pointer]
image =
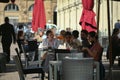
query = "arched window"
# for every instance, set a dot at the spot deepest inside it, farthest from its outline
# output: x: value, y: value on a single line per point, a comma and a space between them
x: 11, y: 7
x: 31, y: 8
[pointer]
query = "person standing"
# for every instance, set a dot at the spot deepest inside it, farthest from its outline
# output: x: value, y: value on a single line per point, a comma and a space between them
x: 117, y: 24
x: 20, y: 37
x: 7, y: 32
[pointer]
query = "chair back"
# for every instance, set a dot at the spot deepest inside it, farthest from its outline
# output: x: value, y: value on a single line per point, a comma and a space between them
x: 25, y: 54
x: 61, y: 56
x: 32, y: 44
x: 64, y: 52
x: 16, y: 50
x: 77, y: 69
x: 18, y: 54
x: 19, y: 67
x: 77, y: 55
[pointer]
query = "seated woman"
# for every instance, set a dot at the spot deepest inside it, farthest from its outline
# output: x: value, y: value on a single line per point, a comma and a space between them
x: 95, y: 51
x: 20, y: 37
x: 96, y: 48
x: 49, y: 42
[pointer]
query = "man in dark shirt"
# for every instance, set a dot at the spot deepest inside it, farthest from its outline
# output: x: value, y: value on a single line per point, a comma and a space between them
x: 7, y: 32
x: 85, y: 42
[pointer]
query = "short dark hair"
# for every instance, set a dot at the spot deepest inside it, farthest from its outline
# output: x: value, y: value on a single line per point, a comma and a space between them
x: 85, y: 31
x: 75, y: 33
x: 68, y: 33
x: 20, y: 26
x: 48, y: 32
x: 6, y: 19
x: 93, y: 34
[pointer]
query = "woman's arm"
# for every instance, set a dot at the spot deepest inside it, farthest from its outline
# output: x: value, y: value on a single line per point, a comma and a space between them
x: 93, y: 53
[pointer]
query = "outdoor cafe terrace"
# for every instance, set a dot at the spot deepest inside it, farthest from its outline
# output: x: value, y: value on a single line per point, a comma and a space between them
x: 11, y: 72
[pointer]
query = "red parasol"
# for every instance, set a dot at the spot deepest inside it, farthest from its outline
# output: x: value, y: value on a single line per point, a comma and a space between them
x: 87, y: 20
x: 39, y: 18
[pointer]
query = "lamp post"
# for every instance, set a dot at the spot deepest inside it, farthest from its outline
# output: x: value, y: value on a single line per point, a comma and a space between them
x: 98, y: 16
x: 110, y: 41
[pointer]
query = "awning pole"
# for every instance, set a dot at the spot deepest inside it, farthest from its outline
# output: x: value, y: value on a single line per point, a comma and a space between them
x: 98, y: 16
x: 110, y: 45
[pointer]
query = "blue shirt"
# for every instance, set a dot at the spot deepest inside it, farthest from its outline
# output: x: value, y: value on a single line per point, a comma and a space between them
x: 117, y: 25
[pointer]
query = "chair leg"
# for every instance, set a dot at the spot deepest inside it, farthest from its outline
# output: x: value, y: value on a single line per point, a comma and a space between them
x: 22, y: 78
x: 43, y: 75
x: 118, y: 60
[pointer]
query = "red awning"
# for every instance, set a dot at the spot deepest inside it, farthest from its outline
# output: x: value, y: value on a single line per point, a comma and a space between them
x: 87, y: 20
x: 39, y: 18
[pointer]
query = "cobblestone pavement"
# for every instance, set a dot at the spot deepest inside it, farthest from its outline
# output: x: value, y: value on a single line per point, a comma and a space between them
x: 12, y: 74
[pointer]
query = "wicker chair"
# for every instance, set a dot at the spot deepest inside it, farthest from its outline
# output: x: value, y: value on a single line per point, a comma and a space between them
x: 24, y: 71
x: 77, y: 69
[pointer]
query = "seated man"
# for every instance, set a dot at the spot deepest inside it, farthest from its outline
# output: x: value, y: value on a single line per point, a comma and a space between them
x: 49, y: 42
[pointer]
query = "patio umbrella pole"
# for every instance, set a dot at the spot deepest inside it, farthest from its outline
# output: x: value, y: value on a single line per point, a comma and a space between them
x: 110, y: 45
x: 98, y: 16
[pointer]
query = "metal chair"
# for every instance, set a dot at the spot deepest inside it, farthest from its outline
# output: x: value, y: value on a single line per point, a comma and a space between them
x: 77, y: 69
x: 64, y: 51
x: 60, y: 55
x: 30, y: 53
x: 24, y: 71
x: 19, y: 55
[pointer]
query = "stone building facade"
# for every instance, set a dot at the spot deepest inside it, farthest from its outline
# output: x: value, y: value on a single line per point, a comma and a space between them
x: 69, y: 13
x: 64, y: 13
x: 21, y: 11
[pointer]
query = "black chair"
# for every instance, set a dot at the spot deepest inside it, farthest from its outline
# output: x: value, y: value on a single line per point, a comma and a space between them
x: 64, y: 51
x: 57, y: 51
x: 29, y: 70
x: 19, y: 55
x: 30, y: 52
